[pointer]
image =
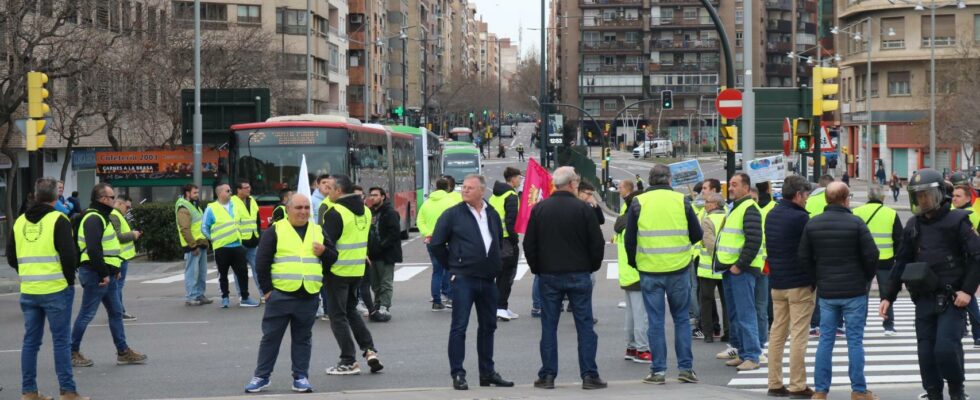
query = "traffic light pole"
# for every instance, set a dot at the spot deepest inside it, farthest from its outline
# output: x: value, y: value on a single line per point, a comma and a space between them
x: 604, y: 141
x: 729, y: 75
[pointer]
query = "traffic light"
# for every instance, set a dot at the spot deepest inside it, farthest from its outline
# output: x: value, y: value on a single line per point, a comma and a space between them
x: 399, y: 111
x: 608, y: 154
x: 667, y: 99
x: 729, y: 137
x: 822, y: 89
x: 801, y: 135
x: 36, y: 95
x: 484, y: 112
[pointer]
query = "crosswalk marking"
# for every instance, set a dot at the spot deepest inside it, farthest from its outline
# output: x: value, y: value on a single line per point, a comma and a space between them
x: 173, y: 278
x: 612, y: 271
x: 405, y: 273
x: 231, y: 277
x: 888, y: 359
x: 522, y: 269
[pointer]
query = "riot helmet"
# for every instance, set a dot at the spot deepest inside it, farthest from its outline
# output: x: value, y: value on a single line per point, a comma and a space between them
x: 960, y: 178
x: 927, y: 191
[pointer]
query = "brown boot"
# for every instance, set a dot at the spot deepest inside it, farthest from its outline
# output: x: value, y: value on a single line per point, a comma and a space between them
x: 34, y: 396
x: 72, y: 396
x: 867, y: 395
x: 130, y: 356
x: 78, y: 360
x: 734, y: 362
x: 819, y: 396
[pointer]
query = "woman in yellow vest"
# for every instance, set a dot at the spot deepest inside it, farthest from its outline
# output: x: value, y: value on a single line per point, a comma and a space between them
x: 127, y: 239
x: 708, y: 279
x: 637, y: 343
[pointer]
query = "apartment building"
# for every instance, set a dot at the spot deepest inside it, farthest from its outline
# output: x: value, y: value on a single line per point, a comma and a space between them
x: 367, y: 61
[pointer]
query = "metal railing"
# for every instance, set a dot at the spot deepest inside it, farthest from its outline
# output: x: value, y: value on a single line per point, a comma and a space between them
x: 684, y: 44
x: 680, y: 20
x: 600, y: 22
x: 610, y: 45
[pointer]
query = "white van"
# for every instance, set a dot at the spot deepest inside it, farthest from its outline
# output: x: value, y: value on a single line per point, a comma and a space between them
x: 656, y: 148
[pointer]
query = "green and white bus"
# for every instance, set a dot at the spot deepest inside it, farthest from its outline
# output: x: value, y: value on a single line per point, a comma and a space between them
x: 460, y: 159
x: 428, y: 160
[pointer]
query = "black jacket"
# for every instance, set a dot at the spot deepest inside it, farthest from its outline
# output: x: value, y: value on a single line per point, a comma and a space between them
x: 266, y: 252
x: 457, y: 243
x: 510, y: 209
x: 563, y: 236
x: 64, y: 241
x: 93, y: 241
x: 694, y: 231
x: 837, y: 250
x: 384, y: 243
x: 784, y: 228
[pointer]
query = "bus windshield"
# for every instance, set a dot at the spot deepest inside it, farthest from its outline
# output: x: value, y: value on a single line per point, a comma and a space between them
x: 458, y: 165
x: 271, y: 159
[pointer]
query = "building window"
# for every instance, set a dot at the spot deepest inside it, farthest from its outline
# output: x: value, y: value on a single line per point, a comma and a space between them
x: 608, y: 60
x: 898, y: 83
x: 210, y: 12
x: 738, y: 39
x: 690, y: 13
x: 945, y: 82
x: 294, y: 63
x: 666, y: 13
x: 609, y: 36
x: 976, y: 27
x: 739, y: 15
x: 249, y: 14
x: 945, y: 31
x: 592, y: 106
x: 609, y: 105
x: 632, y: 37
x: 896, y: 41
x: 290, y: 22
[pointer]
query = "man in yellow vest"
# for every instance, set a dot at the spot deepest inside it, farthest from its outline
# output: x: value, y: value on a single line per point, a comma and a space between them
x: 438, y: 202
x: 661, y: 228
x: 220, y: 226
x: 740, y: 257
x: 886, y: 230
x: 708, y: 279
x: 506, y: 202
x: 347, y: 224
x: 248, y: 223
x: 194, y: 244
x: 279, y: 213
x: 637, y: 344
x: 818, y: 199
x: 291, y: 260
x: 99, y: 273
x: 42, y: 251
x: 127, y: 239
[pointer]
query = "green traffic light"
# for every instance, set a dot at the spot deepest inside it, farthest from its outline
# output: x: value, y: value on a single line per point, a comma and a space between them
x: 802, y: 144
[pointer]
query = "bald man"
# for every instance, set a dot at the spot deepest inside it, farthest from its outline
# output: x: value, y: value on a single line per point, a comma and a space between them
x: 837, y: 249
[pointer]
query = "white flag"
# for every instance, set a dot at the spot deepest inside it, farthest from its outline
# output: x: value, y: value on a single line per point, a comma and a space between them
x: 303, y: 186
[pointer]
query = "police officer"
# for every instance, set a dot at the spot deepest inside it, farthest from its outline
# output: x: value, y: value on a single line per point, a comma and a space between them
x: 938, y: 263
x: 99, y: 274
x: 247, y: 210
x: 42, y: 252
x: 505, y: 201
x: 886, y: 230
x: 290, y: 263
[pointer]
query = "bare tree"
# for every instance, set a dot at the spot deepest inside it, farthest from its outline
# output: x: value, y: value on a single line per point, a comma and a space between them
x: 958, y: 112
x: 526, y: 83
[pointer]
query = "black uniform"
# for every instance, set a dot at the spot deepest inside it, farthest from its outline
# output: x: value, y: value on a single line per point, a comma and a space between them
x: 947, y: 242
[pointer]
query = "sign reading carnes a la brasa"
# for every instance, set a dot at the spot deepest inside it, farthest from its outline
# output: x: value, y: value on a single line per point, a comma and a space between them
x: 154, y: 164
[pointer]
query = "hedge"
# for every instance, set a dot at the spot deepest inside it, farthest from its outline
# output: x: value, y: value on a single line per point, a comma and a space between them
x: 159, y: 226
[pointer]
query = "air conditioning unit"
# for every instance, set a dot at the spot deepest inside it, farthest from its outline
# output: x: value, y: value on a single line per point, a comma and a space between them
x: 357, y: 19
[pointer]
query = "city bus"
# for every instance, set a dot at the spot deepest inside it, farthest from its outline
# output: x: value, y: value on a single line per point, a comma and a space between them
x: 428, y: 160
x: 268, y: 155
x: 461, y: 134
x: 459, y: 160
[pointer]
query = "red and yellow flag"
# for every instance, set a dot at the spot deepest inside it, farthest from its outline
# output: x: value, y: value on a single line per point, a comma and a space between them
x: 537, y: 187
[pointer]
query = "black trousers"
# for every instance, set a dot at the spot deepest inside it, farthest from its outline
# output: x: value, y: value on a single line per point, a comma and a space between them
x: 344, y: 319
x: 940, y: 347
x: 234, y: 258
x: 296, y: 313
x: 364, y: 290
x: 709, y: 313
x: 505, y: 281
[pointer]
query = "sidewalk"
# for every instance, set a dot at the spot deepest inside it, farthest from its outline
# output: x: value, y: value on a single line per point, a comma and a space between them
x: 622, y: 390
x: 9, y: 282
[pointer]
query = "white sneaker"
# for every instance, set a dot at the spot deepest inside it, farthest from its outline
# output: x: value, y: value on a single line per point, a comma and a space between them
x: 729, y: 353
x: 621, y: 304
x: 890, y: 332
x: 763, y: 359
x: 512, y: 314
x: 362, y: 309
x: 503, y: 315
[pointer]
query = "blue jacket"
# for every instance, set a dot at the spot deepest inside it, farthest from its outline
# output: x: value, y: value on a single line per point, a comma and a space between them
x: 784, y: 228
x: 457, y: 243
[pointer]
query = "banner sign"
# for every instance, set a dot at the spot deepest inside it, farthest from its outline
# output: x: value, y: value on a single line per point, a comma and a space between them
x: 537, y: 187
x: 766, y: 169
x: 154, y: 164
x: 685, y: 173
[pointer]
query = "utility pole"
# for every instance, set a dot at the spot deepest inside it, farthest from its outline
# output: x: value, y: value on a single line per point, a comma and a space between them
x: 543, y: 139
x: 198, y: 137
x: 500, y: 78
x: 404, y: 38
x: 368, y: 53
x: 748, y: 96
x: 309, y: 56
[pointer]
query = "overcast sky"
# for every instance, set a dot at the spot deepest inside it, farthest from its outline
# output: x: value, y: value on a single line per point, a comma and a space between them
x: 505, y: 18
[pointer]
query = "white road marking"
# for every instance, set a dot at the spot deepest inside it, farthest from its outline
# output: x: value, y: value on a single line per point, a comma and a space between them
x: 406, y: 273
x: 129, y: 324
x: 174, y: 278
x: 612, y: 270
x: 522, y: 269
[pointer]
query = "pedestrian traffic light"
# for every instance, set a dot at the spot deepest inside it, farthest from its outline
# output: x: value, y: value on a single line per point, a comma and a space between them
x: 667, y: 99
x: 822, y: 89
x: 729, y: 137
x: 399, y: 111
x: 36, y: 95
x: 608, y: 154
x: 484, y: 112
x: 801, y: 135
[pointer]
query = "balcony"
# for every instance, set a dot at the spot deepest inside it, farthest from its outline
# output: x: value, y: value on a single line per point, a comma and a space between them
x: 601, y: 46
x: 685, y: 67
x: 681, y: 2
x: 599, y: 22
x: 610, y: 3
x: 610, y: 90
x: 684, y: 90
x: 781, y: 5
x: 779, y: 26
x: 692, y: 45
x: 779, y: 47
x: 675, y: 22
x: 779, y: 69
x: 355, y: 75
x: 613, y: 69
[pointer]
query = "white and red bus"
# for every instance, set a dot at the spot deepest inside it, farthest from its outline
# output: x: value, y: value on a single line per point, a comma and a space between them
x: 268, y: 155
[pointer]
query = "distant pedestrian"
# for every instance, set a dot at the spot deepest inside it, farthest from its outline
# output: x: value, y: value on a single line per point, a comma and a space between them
x: 76, y: 205
x: 194, y: 244
x: 127, y: 239
x: 520, y: 152
x: 384, y: 251
x: 880, y: 174
x: 661, y: 229
x: 42, y: 251
x: 99, y: 247
x: 467, y: 240
x: 837, y: 249
x: 792, y: 289
x: 639, y: 183
x: 896, y: 185
x: 221, y: 227
x: 501, y: 150
x: 564, y: 246
x: 637, y: 343
x: 438, y: 202
x: 586, y: 193
x: 291, y: 259
x: 279, y: 213
x: 63, y: 204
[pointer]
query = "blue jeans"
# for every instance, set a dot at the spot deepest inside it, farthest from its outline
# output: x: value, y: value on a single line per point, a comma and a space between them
x: 762, y: 307
x: 743, y: 315
x: 468, y: 292
x: 733, y: 336
x: 676, y: 288
x: 855, y: 313
x: 535, y: 294
x: 91, y: 298
x: 439, y: 285
x: 195, y: 273
x: 122, y: 282
x: 250, y: 258
x: 578, y: 287
x: 56, y: 308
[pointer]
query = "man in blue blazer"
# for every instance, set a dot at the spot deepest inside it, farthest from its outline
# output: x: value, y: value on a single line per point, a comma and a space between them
x: 467, y: 240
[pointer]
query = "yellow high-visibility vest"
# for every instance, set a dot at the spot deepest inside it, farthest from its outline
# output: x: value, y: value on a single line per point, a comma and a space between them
x: 352, y: 245
x: 662, y: 242
x: 248, y: 219
x: 732, y: 237
x: 295, y: 265
x: 704, y: 264
x: 225, y: 228
x: 110, y: 242
x: 627, y: 274
x: 128, y: 251
x: 197, y: 217
x: 881, y: 226
x: 498, y: 204
x: 38, y: 264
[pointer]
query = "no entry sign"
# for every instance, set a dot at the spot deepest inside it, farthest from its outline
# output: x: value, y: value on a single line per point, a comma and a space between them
x: 729, y: 103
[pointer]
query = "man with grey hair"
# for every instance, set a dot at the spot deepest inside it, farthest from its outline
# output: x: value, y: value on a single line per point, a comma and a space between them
x: 886, y: 229
x: 42, y: 251
x: 467, y: 240
x: 661, y: 228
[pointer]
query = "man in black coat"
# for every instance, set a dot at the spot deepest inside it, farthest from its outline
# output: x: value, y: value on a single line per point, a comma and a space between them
x: 384, y: 250
x: 564, y: 246
x: 467, y: 240
x: 838, y: 251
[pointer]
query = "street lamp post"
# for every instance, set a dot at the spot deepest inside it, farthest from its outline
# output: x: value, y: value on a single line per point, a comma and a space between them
x: 198, y: 135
